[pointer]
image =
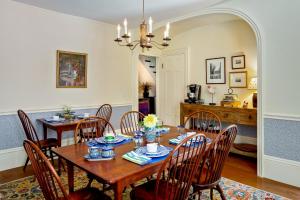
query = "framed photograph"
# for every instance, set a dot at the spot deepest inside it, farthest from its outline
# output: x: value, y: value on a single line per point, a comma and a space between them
x: 71, y: 69
x: 238, y: 79
x: 238, y: 62
x: 215, y: 71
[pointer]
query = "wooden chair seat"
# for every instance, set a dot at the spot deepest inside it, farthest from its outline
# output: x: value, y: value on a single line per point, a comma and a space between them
x: 48, y: 143
x: 87, y: 194
x: 146, y: 191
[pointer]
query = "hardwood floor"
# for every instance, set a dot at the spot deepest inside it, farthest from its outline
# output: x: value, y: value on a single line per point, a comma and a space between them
x: 237, y: 168
x: 243, y: 170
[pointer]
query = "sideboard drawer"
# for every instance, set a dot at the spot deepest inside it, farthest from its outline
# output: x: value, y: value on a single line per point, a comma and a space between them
x: 227, y: 114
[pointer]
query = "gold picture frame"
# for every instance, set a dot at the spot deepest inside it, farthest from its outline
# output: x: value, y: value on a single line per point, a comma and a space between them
x: 71, y: 69
x: 238, y: 79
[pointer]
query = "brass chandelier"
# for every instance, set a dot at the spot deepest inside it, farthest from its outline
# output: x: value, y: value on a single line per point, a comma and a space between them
x: 146, y: 35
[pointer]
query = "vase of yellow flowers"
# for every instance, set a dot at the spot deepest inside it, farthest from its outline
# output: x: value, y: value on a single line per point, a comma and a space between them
x: 149, y: 124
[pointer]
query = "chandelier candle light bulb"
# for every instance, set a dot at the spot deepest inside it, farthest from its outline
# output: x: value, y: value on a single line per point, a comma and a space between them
x: 125, y: 26
x: 150, y: 25
x: 119, y: 31
x: 129, y: 37
x: 168, y: 29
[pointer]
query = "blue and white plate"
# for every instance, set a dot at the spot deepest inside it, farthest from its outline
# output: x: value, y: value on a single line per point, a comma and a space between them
x: 117, y: 140
x: 161, y: 151
x: 182, y: 137
x: 99, y: 158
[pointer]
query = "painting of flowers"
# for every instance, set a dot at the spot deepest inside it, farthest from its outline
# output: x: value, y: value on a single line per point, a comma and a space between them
x: 71, y: 70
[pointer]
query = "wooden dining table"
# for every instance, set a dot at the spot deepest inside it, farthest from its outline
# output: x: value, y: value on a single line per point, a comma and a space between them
x: 117, y: 172
x: 58, y: 127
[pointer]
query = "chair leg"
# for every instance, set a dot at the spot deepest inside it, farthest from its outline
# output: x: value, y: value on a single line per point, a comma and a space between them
x: 26, y: 163
x: 51, y: 156
x: 211, y: 193
x: 221, y: 192
x: 90, y: 183
x: 199, y: 194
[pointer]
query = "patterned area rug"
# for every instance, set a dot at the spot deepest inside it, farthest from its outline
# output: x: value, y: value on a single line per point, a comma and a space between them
x: 27, y: 189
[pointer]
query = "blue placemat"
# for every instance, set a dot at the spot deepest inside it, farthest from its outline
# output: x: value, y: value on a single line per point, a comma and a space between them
x: 142, y: 160
x: 96, y: 144
x: 154, y: 160
x: 176, y: 141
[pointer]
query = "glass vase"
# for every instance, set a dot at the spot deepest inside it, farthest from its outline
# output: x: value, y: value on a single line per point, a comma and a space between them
x: 150, y: 135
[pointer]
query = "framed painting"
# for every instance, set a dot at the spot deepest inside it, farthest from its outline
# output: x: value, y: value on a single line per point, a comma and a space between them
x: 215, y: 71
x: 71, y: 69
x: 238, y: 62
x: 238, y: 79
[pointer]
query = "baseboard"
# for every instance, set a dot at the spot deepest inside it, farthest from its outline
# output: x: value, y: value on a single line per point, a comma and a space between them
x: 282, y: 170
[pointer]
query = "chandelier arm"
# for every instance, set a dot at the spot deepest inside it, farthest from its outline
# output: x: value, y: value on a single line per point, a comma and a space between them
x: 133, y: 47
x: 157, y: 45
x: 122, y: 45
x: 153, y: 41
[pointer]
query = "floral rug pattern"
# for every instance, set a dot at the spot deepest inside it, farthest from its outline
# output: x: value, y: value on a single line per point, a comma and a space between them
x: 25, y: 188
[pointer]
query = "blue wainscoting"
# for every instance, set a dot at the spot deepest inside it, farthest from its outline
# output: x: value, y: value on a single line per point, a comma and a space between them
x: 12, y: 135
x: 282, y: 138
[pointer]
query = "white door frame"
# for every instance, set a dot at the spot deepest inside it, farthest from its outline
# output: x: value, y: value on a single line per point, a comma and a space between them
x: 135, y: 87
x: 171, y: 52
x: 261, y: 102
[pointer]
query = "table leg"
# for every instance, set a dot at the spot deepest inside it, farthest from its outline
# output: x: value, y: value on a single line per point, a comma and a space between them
x: 59, y: 133
x: 118, y: 190
x: 45, y: 131
x: 70, y: 169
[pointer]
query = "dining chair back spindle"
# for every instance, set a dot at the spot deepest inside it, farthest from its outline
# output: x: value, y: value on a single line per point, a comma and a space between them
x: 105, y: 112
x: 210, y: 170
x: 204, y: 121
x: 45, y: 145
x: 92, y: 127
x: 176, y: 173
x: 29, y: 129
x: 130, y: 122
x: 49, y: 181
x: 46, y: 175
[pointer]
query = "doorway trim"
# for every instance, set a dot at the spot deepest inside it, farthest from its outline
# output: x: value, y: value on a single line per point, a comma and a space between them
x: 260, y: 106
x: 170, y: 52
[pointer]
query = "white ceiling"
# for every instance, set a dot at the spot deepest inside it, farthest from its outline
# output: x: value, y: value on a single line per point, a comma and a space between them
x: 114, y: 11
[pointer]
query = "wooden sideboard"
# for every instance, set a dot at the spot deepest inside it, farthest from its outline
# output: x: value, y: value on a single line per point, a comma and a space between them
x: 244, y: 116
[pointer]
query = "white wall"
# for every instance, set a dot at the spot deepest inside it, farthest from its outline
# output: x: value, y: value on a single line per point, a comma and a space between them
x: 219, y: 40
x: 29, y: 38
x: 278, y: 22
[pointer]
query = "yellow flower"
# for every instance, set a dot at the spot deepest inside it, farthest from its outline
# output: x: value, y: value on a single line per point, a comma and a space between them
x: 150, y: 121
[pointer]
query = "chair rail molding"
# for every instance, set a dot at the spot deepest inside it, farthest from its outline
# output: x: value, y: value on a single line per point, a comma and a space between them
x: 51, y: 109
x: 282, y: 116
